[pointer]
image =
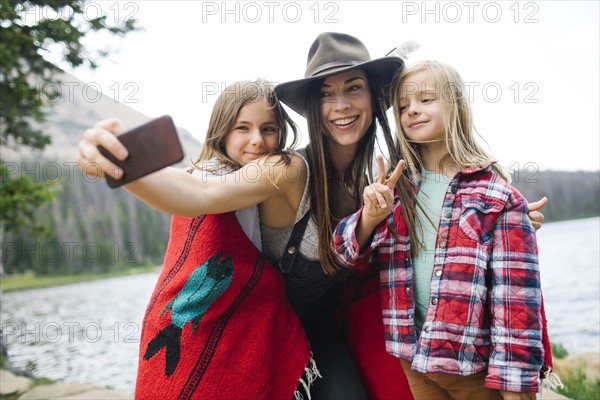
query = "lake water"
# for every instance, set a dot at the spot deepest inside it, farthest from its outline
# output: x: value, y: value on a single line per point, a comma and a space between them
x: 570, y: 267
x: 89, y: 332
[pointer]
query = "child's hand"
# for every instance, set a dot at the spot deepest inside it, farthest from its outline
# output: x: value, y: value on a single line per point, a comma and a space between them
x: 90, y: 160
x: 378, y: 197
x: 535, y: 214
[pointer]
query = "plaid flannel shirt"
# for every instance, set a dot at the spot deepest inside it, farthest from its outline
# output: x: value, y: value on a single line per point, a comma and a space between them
x: 484, y: 309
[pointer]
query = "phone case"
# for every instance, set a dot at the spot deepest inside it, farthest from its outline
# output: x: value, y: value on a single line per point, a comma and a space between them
x: 152, y: 146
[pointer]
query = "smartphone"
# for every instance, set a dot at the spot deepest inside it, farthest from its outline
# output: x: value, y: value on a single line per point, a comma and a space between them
x: 151, y: 146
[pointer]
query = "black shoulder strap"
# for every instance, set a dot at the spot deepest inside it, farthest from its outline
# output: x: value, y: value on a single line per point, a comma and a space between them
x: 303, y: 152
x: 293, y: 245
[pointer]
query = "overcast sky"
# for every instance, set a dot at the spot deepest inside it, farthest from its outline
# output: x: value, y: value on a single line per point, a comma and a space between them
x: 532, y: 66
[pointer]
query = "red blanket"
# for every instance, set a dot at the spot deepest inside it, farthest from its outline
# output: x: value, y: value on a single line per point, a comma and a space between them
x: 362, y: 323
x: 218, y: 325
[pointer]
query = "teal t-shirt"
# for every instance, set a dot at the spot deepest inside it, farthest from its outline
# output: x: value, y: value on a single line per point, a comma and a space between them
x: 431, y: 197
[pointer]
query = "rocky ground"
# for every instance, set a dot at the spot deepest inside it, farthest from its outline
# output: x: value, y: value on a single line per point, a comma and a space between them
x: 22, y: 388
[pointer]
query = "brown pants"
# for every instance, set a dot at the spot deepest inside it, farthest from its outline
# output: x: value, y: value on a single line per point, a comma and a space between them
x: 452, y: 387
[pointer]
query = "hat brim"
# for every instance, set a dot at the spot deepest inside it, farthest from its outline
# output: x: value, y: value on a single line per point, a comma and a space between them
x: 294, y: 93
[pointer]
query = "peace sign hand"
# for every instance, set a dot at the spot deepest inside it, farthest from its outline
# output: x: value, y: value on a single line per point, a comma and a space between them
x: 378, y: 197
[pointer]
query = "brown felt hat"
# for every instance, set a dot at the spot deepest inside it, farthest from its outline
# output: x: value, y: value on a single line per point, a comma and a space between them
x: 333, y: 53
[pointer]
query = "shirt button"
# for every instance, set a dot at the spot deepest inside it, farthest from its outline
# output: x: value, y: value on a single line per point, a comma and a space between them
x: 291, y: 250
x: 454, y: 189
x: 438, y: 272
x: 443, y: 244
x: 408, y: 289
x: 434, y: 301
x: 448, y: 214
x: 428, y: 329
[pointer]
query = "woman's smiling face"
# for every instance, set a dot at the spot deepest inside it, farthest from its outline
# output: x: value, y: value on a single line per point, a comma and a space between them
x: 346, y: 107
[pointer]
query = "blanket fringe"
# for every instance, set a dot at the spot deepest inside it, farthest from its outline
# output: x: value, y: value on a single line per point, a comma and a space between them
x: 311, y: 373
x: 551, y: 380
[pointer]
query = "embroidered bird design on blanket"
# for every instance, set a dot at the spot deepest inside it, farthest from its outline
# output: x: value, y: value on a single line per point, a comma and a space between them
x: 206, y: 283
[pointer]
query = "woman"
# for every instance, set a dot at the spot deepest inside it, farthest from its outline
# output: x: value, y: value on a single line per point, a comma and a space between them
x: 344, y: 98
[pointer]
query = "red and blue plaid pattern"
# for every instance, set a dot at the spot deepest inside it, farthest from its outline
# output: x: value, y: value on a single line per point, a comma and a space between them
x: 485, y: 304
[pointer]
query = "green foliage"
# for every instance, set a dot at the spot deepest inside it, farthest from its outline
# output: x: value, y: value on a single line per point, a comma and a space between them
x: 28, y: 30
x: 3, y: 357
x: 578, y: 386
x: 19, y: 200
x: 26, y: 35
x: 30, y: 281
x: 559, y: 351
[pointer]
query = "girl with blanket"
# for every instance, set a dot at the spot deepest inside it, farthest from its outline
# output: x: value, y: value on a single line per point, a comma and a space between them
x: 218, y: 325
x: 457, y: 255
x: 296, y: 199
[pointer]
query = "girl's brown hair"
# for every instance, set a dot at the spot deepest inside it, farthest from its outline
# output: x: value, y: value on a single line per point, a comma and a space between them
x: 223, y: 117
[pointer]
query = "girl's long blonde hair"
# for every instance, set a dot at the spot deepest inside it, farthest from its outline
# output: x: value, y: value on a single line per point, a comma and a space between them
x: 463, y: 149
x: 223, y: 117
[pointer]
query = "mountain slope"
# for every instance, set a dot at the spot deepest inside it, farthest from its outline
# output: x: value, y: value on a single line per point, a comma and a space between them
x: 79, y: 107
x: 90, y: 227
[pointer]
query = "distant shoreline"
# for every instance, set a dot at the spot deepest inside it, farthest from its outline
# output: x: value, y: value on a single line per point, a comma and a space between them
x: 18, y: 282
x: 571, y: 219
